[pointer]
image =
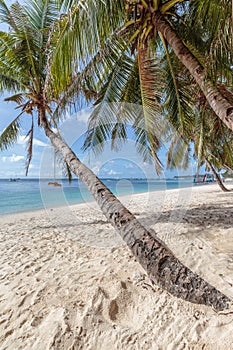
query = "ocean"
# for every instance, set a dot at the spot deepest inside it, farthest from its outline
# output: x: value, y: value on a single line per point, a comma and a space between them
x: 32, y: 194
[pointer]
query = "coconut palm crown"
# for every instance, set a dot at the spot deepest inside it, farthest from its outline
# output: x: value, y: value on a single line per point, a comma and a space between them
x: 25, y: 53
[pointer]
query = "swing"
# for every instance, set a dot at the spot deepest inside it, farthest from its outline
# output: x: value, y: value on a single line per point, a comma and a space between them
x: 54, y: 183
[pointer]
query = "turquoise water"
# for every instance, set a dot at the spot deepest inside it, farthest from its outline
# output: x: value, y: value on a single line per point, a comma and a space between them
x: 32, y: 194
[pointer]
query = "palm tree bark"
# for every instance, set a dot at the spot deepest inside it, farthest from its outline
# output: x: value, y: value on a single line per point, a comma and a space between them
x: 158, y: 261
x: 220, y: 105
x: 218, y: 179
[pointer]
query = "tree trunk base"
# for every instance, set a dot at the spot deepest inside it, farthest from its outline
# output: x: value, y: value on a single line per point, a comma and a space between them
x: 170, y: 274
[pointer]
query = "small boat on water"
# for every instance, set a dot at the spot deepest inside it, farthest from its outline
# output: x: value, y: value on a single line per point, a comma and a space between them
x: 14, y: 179
x: 54, y: 183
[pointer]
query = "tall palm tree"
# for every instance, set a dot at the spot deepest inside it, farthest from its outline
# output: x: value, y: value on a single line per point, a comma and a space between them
x: 199, y: 32
x: 26, y: 57
x: 211, y: 140
x: 210, y: 143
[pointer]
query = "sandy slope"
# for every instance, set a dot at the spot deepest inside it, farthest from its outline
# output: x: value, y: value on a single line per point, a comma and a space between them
x: 67, y: 281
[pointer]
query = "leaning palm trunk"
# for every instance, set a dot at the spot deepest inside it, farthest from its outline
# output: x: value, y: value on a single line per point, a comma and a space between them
x: 217, y: 177
x: 158, y: 261
x: 220, y: 105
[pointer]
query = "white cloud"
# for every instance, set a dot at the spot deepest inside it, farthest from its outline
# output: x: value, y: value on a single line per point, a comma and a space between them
x: 129, y: 166
x: 113, y: 172
x: 12, y: 159
x: 83, y: 116
x: 22, y: 139
x: 39, y: 143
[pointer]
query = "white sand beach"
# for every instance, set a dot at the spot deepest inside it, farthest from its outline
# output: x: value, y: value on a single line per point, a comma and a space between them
x: 68, y: 282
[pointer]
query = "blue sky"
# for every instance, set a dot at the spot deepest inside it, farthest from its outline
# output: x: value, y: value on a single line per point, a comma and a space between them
x: 13, y: 160
x: 125, y: 163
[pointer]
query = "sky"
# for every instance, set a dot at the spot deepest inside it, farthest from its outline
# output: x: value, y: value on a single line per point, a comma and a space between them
x: 125, y: 163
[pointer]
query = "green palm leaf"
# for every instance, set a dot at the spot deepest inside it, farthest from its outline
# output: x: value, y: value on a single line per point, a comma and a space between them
x: 210, y: 25
x: 179, y: 93
x: 83, y: 31
x: 151, y: 86
x: 6, y: 16
x: 10, y: 133
x: 17, y: 98
x: 29, y: 135
x: 178, y: 155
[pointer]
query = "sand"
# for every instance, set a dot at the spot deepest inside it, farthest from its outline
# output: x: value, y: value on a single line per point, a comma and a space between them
x: 68, y: 282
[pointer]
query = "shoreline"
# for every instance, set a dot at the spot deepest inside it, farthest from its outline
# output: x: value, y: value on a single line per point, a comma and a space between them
x: 193, y: 186
x: 68, y: 282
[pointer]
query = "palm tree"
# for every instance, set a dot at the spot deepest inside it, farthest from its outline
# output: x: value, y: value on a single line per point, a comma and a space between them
x: 211, y: 140
x: 26, y: 58
x: 216, y: 175
x: 161, y: 85
x: 199, y: 32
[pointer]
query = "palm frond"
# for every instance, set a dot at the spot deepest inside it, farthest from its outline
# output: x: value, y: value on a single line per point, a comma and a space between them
x: 113, y: 111
x: 17, y: 98
x: 42, y: 15
x: 199, y: 144
x: 218, y: 141
x: 147, y: 144
x: 29, y: 135
x: 6, y: 16
x: 210, y: 21
x: 10, y: 133
x: 65, y: 4
x: 116, y: 90
x: 84, y: 30
x: 117, y: 81
x: 151, y: 86
x: 179, y: 93
x: 178, y: 155
x: 9, y: 83
x: 28, y: 36
x: 100, y: 126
